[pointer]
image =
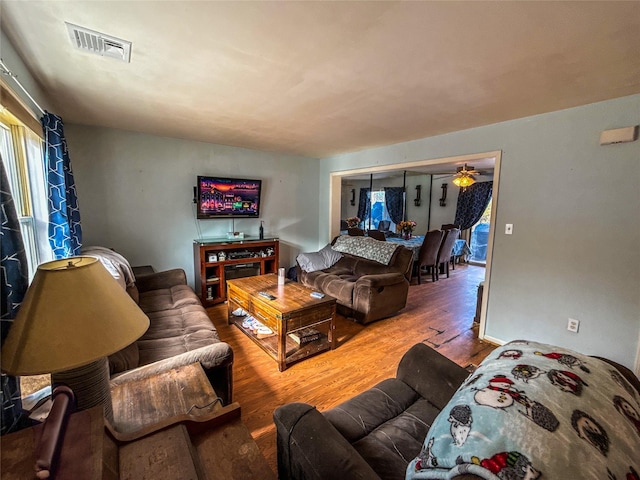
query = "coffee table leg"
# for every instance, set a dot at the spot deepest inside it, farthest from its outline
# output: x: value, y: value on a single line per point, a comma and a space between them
x: 332, y: 337
x: 332, y: 327
x: 282, y: 347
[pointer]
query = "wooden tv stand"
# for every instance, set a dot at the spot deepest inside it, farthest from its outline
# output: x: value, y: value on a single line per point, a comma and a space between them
x: 242, y: 257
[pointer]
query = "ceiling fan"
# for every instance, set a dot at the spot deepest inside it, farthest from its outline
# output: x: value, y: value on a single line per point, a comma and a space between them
x: 465, y: 176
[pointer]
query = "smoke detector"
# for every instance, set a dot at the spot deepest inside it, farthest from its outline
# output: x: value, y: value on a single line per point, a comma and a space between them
x: 99, y: 43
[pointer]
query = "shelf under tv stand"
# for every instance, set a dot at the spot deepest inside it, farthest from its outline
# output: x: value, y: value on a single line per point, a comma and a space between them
x: 211, y: 277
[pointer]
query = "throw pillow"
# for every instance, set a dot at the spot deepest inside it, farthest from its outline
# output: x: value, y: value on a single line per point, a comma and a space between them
x: 532, y: 410
x: 312, y: 261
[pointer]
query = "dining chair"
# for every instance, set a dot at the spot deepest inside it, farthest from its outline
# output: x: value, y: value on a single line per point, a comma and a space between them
x: 428, y: 254
x: 449, y: 226
x: 377, y: 234
x: 355, y: 232
x: 446, y: 250
x: 384, y: 225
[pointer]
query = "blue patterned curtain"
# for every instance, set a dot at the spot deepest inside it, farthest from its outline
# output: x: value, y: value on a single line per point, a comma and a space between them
x: 65, y: 231
x: 472, y: 202
x: 394, y: 199
x: 15, y: 280
x: 364, y: 205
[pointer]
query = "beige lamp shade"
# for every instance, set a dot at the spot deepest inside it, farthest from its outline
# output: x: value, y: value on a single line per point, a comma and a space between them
x: 73, y: 313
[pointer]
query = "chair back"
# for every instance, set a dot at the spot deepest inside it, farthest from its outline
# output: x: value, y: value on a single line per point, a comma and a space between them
x: 355, y: 232
x: 430, y: 247
x: 384, y: 225
x: 446, y: 248
x: 449, y: 226
x: 377, y: 234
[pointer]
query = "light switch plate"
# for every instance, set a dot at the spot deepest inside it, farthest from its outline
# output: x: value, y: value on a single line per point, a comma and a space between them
x: 508, y: 229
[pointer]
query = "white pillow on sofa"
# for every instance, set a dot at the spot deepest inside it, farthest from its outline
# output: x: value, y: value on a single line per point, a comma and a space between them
x: 312, y: 261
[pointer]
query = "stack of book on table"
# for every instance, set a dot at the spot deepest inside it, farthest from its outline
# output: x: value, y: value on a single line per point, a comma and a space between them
x: 305, y: 335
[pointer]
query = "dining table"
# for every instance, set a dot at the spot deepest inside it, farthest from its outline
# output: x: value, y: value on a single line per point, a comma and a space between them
x: 413, y: 243
x: 460, y: 248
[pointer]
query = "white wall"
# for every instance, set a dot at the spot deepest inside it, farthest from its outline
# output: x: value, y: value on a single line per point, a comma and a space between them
x: 574, y: 205
x: 135, y: 193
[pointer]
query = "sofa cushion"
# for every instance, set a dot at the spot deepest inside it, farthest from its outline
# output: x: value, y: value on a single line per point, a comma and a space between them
x: 167, y: 298
x: 526, y: 401
x: 338, y: 286
x: 389, y: 448
x: 359, y: 416
x: 385, y: 424
x: 313, y: 261
x: 172, y: 332
x: 125, y: 359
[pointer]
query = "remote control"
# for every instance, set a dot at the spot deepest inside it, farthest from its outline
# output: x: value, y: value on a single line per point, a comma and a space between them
x: 267, y: 295
x: 317, y: 294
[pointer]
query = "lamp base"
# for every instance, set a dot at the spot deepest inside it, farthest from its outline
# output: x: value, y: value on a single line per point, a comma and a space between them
x: 90, y: 385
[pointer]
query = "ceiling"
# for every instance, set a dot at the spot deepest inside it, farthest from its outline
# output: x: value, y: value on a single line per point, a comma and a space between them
x: 321, y: 78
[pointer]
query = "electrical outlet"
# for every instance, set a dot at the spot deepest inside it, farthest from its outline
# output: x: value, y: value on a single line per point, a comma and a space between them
x: 572, y: 325
x: 508, y: 229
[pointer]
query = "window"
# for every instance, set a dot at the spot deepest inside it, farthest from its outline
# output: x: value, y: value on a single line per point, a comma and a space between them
x: 22, y: 155
x: 379, y: 211
x: 480, y: 237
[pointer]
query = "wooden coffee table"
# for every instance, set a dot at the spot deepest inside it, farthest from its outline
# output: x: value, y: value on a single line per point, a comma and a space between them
x: 291, y: 311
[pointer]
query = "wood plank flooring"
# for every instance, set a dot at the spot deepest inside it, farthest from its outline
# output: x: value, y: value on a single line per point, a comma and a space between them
x: 439, y: 314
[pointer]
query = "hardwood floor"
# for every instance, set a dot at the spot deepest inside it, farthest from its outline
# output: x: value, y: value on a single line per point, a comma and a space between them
x: 439, y: 314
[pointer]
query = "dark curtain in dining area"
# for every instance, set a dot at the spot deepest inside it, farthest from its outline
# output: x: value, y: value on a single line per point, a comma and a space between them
x: 394, y: 199
x: 364, y: 204
x: 472, y: 202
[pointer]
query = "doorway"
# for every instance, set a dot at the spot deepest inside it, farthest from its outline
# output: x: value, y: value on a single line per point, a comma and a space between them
x: 431, y: 167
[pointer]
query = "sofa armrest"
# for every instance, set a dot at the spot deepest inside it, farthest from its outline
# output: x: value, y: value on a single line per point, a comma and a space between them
x: 166, y: 279
x: 624, y: 371
x: 380, y: 280
x: 310, y: 447
x: 216, y: 360
x: 431, y: 374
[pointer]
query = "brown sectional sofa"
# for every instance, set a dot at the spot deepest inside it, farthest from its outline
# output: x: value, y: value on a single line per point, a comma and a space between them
x: 180, y: 331
x: 365, y: 289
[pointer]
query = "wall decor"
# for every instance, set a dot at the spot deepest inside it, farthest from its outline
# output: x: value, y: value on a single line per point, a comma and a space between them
x: 443, y: 199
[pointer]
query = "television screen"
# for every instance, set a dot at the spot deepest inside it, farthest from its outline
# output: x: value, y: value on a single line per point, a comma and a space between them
x: 228, y: 197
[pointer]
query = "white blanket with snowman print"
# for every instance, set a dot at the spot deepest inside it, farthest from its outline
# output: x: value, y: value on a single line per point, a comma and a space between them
x: 532, y: 410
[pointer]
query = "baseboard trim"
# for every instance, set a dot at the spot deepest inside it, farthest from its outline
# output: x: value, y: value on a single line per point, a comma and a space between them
x: 493, y: 340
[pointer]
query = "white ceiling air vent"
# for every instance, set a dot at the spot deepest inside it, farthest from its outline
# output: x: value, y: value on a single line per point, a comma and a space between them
x: 99, y: 43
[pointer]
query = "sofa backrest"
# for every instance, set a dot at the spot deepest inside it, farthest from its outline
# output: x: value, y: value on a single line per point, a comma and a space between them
x: 400, y: 261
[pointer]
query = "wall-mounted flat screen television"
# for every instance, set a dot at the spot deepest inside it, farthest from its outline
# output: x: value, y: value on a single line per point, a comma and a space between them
x: 218, y: 197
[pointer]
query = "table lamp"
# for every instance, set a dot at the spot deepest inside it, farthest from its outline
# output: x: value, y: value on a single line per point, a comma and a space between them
x: 73, y: 316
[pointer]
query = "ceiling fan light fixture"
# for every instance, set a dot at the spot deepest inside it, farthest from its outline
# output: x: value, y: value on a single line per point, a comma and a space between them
x: 464, y: 180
